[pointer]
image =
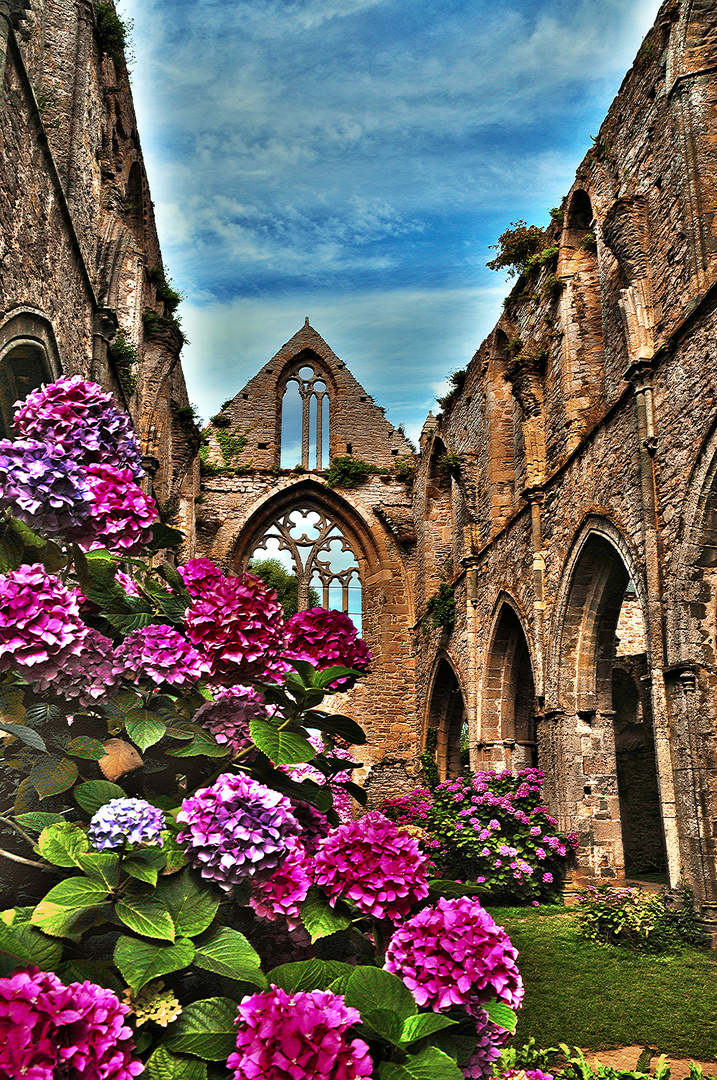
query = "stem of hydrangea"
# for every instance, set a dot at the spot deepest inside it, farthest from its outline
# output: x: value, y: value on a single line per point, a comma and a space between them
x: 16, y: 827
x: 26, y: 862
x: 378, y: 937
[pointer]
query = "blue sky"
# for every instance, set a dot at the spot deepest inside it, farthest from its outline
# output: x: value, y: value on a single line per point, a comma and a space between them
x: 352, y: 160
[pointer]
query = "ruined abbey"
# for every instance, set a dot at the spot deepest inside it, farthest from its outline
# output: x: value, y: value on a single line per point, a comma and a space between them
x: 538, y: 583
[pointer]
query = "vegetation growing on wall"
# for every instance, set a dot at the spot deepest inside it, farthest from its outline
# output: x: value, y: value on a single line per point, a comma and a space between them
x: 516, y: 246
x: 113, y: 33
x: 124, y: 357
x: 456, y: 382
x: 442, y: 608
x: 350, y: 472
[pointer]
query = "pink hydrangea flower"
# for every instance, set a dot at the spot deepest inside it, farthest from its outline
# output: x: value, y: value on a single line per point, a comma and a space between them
x: 487, y: 1049
x: 199, y: 576
x: 228, y: 717
x: 160, y: 653
x: 50, y: 1030
x: 40, y: 627
x: 128, y: 583
x: 369, y: 862
x: 91, y: 674
x: 285, y: 889
x: 298, y: 1036
x: 122, y: 515
x: 235, y: 829
x: 454, y: 954
x: 83, y: 421
x: 326, y: 639
x: 237, y: 625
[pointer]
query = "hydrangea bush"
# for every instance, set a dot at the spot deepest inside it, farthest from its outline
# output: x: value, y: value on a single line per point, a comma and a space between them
x: 192, y: 903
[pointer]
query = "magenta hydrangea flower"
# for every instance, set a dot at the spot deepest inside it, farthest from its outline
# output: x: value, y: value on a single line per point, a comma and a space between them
x: 128, y: 583
x: 50, y: 1030
x: 160, y: 653
x: 326, y: 639
x: 47, y: 491
x: 237, y: 625
x: 131, y: 821
x: 313, y: 825
x: 285, y: 889
x: 199, y: 576
x: 40, y: 627
x: 235, y: 829
x: 83, y: 421
x: 370, y: 862
x: 487, y: 1050
x: 91, y: 674
x: 227, y: 718
x: 298, y: 1036
x: 122, y: 515
x: 454, y: 954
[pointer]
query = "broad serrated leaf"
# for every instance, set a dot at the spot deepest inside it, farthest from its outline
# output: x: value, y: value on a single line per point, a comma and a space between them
x: 25, y: 797
x: 141, y: 961
x: 145, y: 864
x: 305, y: 670
x: 12, y: 548
x: 127, y: 622
x: 281, y: 747
x: 23, y: 945
x: 95, y: 793
x: 65, y: 903
x: 163, y: 536
x: 319, y: 918
x: 418, y: 1027
x: 174, y: 608
x: 26, y: 735
x: 52, y: 775
x: 309, y: 974
x: 191, y: 907
x: 342, y: 727
x: 38, y: 820
x: 85, y: 747
x: 372, y: 988
x: 452, y: 889
x: 101, y: 866
x: 29, y: 538
x: 206, y: 1029
x: 429, y: 1064
x: 146, y: 915
x: 62, y: 843
x: 164, y: 1065
x: 330, y: 675
x: 144, y: 728
x: 501, y: 1015
x: 118, y: 706
x: 42, y: 712
x: 384, y: 1023
x: 228, y: 953
x: 202, y: 744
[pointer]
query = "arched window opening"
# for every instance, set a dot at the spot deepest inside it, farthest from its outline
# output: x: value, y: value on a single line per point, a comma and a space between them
x: 508, y: 729
x: 305, y: 419
x: 22, y: 369
x: 447, y: 716
x: 313, y: 547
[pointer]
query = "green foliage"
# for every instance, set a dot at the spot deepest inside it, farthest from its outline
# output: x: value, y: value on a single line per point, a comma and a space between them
x: 350, y: 472
x: 516, y: 246
x: 647, y: 921
x: 164, y: 290
x: 428, y: 759
x: 124, y: 357
x: 189, y: 412
x: 557, y: 214
x: 113, y: 32
x: 589, y: 243
x: 553, y: 286
x: 277, y: 577
x: 405, y: 468
x: 442, y: 608
x: 220, y: 420
x: 456, y: 381
x: 231, y: 444
x: 449, y: 463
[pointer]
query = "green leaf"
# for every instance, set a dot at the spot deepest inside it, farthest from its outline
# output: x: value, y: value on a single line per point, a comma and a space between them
x: 191, y: 907
x: 281, y: 747
x: 164, y: 537
x: 429, y: 1064
x: 141, y: 961
x: 146, y: 915
x: 319, y: 918
x: 129, y: 622
x: 101, y: 866
x: 23, y: 944
x: 309, y: 974
x: 84, y: 747
x: 354, y: 790
x: 202, y: 743
x: 11, y: 548
x: 385, y: 1023
x: 25, y: 797
x: 62, y: 843
x: 145, y: 864
x: 306, y: 671
x: 174, y: 607
x: 206, y: 1028
x: 62, y: 906
x: 325, y: 678
x: 417, y: 1027
x: 338, y: 725
x: 451, y: 889
x: 164, y: 1065
x: 372, y: 988
x: 42, y: 712
x: 26, y: 735
x: 53, y: 775
x: 228, y: 953
x: 501, y: 1015
x: 95, y: 793
x: 38, y: 820
x: 26, y: 534
x: 144, y: 728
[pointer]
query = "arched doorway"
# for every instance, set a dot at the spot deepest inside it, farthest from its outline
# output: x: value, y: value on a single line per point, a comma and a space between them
x: 508, y: 720
x: 447, y: 717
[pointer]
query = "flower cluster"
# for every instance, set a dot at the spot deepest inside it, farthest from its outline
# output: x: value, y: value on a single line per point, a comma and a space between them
x: 235, y: 829
x: 489, y: 1038
x: 42, y: 488
x: 227, y: 718
x: 300, y: 1035
x: 370, y: 862
x: 238, y: 628
x: 454, y: 954
x: 40, y: 627
x: 48, y: 1030
x: 199, y: 576
x: 90, y: 674
x: 326, y: 639
x: 154, y: 1003
x: 160, y: 653
x: 121, y: 821
x: 122, y: 515
x: 287, y: 887
x: 83, y: 422
x: 343, y: 804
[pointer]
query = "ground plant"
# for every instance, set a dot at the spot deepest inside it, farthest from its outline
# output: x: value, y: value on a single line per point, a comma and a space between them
x: 181, y: 897
x: 639, y: 920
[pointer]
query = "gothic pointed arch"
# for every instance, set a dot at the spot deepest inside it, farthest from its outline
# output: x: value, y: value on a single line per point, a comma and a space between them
x: 446, y: 718
x: 507, y: 730
x: 28, y: 357
x: 305, y: 389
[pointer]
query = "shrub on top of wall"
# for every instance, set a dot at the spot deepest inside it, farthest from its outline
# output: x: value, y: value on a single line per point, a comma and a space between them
x: 350, y: 472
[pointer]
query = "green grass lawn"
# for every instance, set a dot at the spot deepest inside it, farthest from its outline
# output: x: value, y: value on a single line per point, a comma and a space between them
x: 600, y: 996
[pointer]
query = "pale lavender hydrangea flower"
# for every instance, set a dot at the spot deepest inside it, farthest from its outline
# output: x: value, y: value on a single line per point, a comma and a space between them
x: 91, y: 674
x: 235, y: 829
x: 131, y: 821
x: 40, y: 627
x: 41, y: 488
x: 160, y: 653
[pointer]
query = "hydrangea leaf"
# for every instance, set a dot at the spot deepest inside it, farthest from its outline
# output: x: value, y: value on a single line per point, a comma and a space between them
x: 337, y: 724
x: 95, y: 793
x: 25, y: 734
x: 146, y: 864
x: 62, y: 843
x: 144, y: 728
x: 42, y: 712
x: 354, y: 790
x: 163, y: 536
x: 372, y: 988
x: 53, y: 775
x: 501, y: 1015
x: 228, y: 953
x: 38, y: 820
x: 309, y: 974
x: 206, y: 1029
x: 417, y: 1027
x: 325, y: 678
x: 319, y: 918
x: 385, y: 1023
x: 191, y: 907
x: 100, y: 866
x: 141, y: 961
x: 281, y: 747
x: 23, y: 944
x: 146, y: 915
x: 164, y: 1065
x: 451, y: 889
x: 11, y: 548
x: 430, y: 1064
x: 65, y: 903
x: 87, y: 748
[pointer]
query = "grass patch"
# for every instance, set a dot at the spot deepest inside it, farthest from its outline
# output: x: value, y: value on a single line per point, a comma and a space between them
x: 600, y: 996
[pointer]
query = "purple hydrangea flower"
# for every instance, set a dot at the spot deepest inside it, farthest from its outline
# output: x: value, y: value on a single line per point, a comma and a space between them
x: 487, y: 1049
x: 236, y: 828
x: 160, y: 653
x: 126, y: 820
x: 83, y: 421
x: 40, y: 627
x: 90, y: 674
x: 45, y: 490
x: 228, y: 717
x: 122, y: 515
